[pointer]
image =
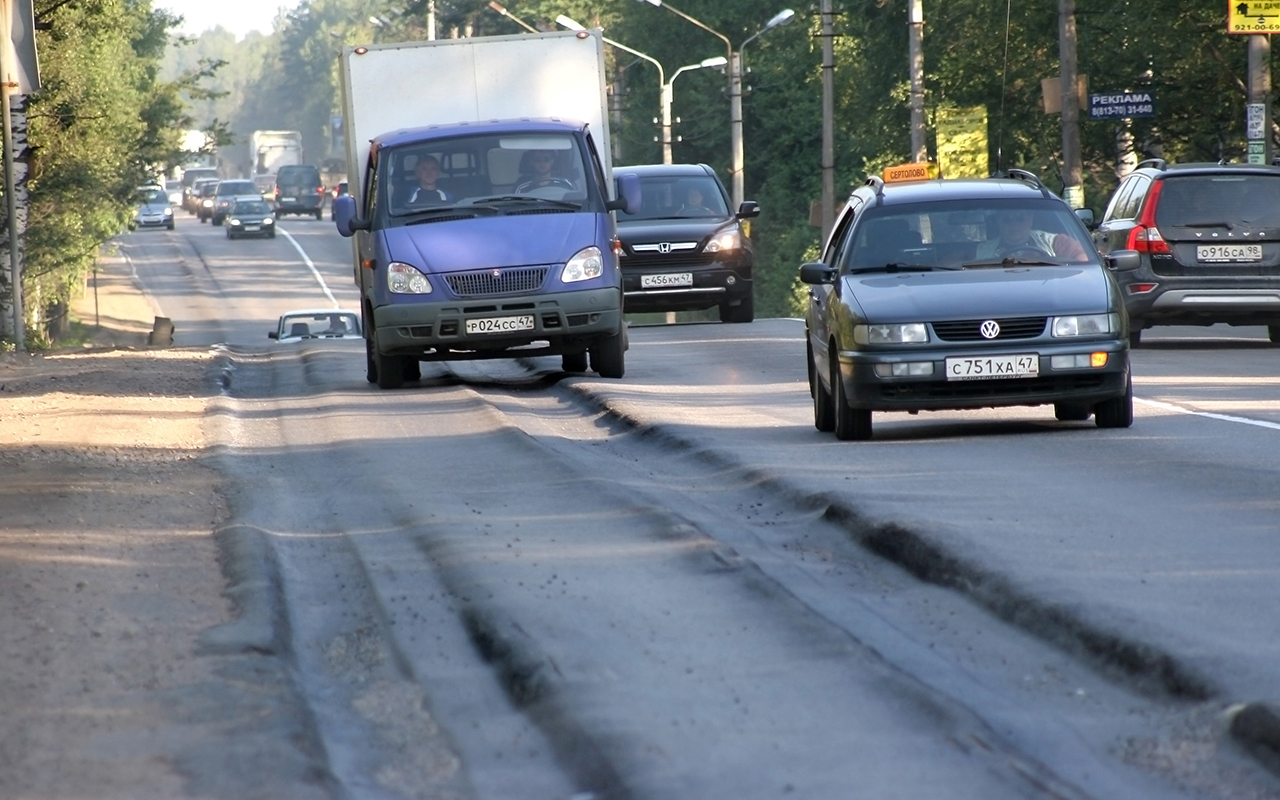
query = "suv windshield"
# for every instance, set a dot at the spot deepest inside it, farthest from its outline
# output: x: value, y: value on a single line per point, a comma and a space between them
x: 1221, y: 201
x: 971, y: 232
x: 485, y: 175
x: 236, y: 187
x: 679, y: 197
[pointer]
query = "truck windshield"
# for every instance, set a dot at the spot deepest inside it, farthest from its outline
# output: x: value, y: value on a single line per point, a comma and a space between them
x: 478, y: 175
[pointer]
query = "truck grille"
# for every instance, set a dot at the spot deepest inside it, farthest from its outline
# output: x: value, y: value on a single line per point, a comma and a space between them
x: 483, y: 283
x: 969, y: 330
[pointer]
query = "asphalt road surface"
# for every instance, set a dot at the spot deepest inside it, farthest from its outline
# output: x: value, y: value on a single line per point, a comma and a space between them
x: 504, y: 581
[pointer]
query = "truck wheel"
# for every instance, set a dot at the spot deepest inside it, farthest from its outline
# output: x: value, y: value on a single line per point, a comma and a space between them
x: 412, y: 368
x: 370, y: 365
x: 390, y: 369
x: 574, y: 362
x: 745, y: 311
x: 608, y: 355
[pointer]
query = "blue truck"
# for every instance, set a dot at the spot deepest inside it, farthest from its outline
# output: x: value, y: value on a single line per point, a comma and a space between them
x: 481, y: 207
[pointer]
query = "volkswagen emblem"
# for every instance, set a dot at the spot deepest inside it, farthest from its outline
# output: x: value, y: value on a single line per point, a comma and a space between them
x: 989, y: 329
x: 664, y: 248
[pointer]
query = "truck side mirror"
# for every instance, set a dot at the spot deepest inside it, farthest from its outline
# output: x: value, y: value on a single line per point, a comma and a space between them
x: 628, y: 192
x: 749, y: 209
x: 344, y: 216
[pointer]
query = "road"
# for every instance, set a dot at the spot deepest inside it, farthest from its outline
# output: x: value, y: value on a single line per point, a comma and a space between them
x: 503, y: 581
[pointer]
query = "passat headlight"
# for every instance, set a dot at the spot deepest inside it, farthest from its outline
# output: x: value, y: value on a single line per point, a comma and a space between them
x: 233, y: 222
x: 586, y: 264
x: 724, y: 240
x: 1085, y: 325
x: 901, y: 333
x: 404, y: 279
x: 269, y: 221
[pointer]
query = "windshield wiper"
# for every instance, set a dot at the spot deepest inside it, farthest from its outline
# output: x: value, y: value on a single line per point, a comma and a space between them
x: 894, y: 266
x: 1013, y: 262
x: 434, y: 213
x: 524, y: 198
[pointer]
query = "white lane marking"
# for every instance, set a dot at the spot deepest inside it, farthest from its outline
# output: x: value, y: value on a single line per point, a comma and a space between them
x: 307, y: 260
x: 1209, y: 414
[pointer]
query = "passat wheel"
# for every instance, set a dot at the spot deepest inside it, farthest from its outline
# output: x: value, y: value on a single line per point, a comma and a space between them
x: 1117, y: 412
x: 851, y: 424
x: 823, y: 418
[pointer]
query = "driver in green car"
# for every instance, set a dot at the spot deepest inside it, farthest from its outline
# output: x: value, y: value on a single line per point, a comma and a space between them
x: 1017, y: 234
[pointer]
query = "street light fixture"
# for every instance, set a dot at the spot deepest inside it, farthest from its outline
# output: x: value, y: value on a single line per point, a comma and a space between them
x: 504, y: 12
x: 734, y: 61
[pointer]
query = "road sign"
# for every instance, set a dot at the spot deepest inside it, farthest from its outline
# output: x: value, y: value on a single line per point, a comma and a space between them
x: 1122, y: 105
x: 1255, y: 121
x: 1257, y: 152
x: 1253, y: 16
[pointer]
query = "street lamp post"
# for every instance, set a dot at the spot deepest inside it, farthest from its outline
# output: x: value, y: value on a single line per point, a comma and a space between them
x: 668, y: 95
x: 734, y: 60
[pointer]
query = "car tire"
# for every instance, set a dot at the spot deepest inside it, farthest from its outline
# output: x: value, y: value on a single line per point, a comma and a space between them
x: 1117, y: 412
x: 411, y: 367
x: 1273, y: 333
x: 170, y: 226
x: 390, y: 369
x: 823, y: 417
x: 271, y: 235
x: 370, y: 365
x: 319, y: 215
x: 745, y: 311
x: 230, y: 235
x: 1071, y: 412
x: 574, y: 362
x: 1135, y: 337
x: 608, y: 354
x: 216, y: 221
x: 850, y: 424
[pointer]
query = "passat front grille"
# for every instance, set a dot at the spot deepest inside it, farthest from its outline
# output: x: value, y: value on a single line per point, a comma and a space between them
x: 483, y: 283
x: 970, y: 330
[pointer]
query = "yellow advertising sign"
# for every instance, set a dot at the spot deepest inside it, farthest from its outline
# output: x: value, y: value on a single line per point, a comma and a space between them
x: 1253, y: 16
x: 910, y: 172
x: 962, y: 141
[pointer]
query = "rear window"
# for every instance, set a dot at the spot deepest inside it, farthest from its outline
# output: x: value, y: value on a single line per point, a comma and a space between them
x: 1189, y: 201
x: 237, y: 187
x: 307, y: 176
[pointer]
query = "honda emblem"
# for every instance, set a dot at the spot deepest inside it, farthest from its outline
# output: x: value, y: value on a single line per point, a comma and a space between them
x: 664, y: 248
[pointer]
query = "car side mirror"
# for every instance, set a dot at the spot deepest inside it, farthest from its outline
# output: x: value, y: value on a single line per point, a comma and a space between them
x: 344, y: 216
x: 749, y: 209
x: 273, y: 334
x: 628, y: 194
x: 817, y: 274
x: 1085, y: 215
x: 1123, y: 260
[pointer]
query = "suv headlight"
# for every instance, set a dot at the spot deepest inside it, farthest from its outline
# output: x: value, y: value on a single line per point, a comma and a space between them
x: 586, y: 264
x: 724, y: 240
x: 1085, y: 325
x: 902, y: 333
x: 405, y: 279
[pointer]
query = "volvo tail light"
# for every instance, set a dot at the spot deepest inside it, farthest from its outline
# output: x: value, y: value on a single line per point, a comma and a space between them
x: 1146, y: 238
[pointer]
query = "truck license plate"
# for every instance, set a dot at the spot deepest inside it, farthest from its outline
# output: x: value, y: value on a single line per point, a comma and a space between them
x: 987, y: 367
x: 1228, y: 252
x: 500, y: 324
x: 666, y: 279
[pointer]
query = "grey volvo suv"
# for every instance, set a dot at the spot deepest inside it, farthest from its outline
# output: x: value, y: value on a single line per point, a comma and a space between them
x: 1209, y: 239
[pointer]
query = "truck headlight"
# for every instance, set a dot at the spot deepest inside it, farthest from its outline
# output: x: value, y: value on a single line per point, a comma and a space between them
x: 901, y: 333
x: 724, y: 240
x: 1085, y: 325
x: 404, y: 279
x: 586, y: 264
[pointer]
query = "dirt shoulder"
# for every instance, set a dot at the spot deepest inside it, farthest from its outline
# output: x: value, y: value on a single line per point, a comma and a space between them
x: 108, y: 568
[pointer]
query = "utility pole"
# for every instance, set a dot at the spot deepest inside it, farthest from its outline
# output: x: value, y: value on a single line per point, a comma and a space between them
x: 1259, y: 133
x: 915, y: 58
x: 828, y: 124
x: 1072, y: 165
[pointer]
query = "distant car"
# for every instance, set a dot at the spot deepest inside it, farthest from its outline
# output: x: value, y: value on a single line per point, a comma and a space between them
x: 267, y: 186
x: 190, y: 176
x: 1209, y: 239
x: 338, y: 191
x: 684, y: 250
x: 204, y: 199
x: 322, y: 323
x: 299, y: 191
x: 229, y: 191
x: 250, y: 217
x: 153, y: 208
x: 964, y: 294
x: 174, y: 188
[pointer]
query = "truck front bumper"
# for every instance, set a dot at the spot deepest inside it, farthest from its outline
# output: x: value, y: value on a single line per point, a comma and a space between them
x: 565, y: 322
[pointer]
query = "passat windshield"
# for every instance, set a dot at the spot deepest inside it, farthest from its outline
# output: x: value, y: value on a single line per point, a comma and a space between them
x: 485, y: 175
x: 968, y: 234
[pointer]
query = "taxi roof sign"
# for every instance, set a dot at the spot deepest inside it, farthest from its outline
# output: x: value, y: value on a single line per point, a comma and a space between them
x: 919, y: 171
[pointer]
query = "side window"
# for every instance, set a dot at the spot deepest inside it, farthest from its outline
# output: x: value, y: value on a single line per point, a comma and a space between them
x: 597, y: 167
x: 1134, y: 201
x: 840, y: 232
x: 1118, y: 199
x: 371, y: 189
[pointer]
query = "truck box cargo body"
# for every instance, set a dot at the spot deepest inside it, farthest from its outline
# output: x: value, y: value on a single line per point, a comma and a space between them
x: 272, y: 150
x: 480, y: 212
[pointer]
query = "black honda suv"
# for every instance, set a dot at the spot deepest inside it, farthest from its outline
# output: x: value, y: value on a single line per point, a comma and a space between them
x: 1209, y: 237
x: 683, y: 249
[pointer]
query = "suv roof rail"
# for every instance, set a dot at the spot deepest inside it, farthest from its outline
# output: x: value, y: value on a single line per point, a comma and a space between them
x: 876, y: 183
x: 1028, y: 177
x: 1153, y: 163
